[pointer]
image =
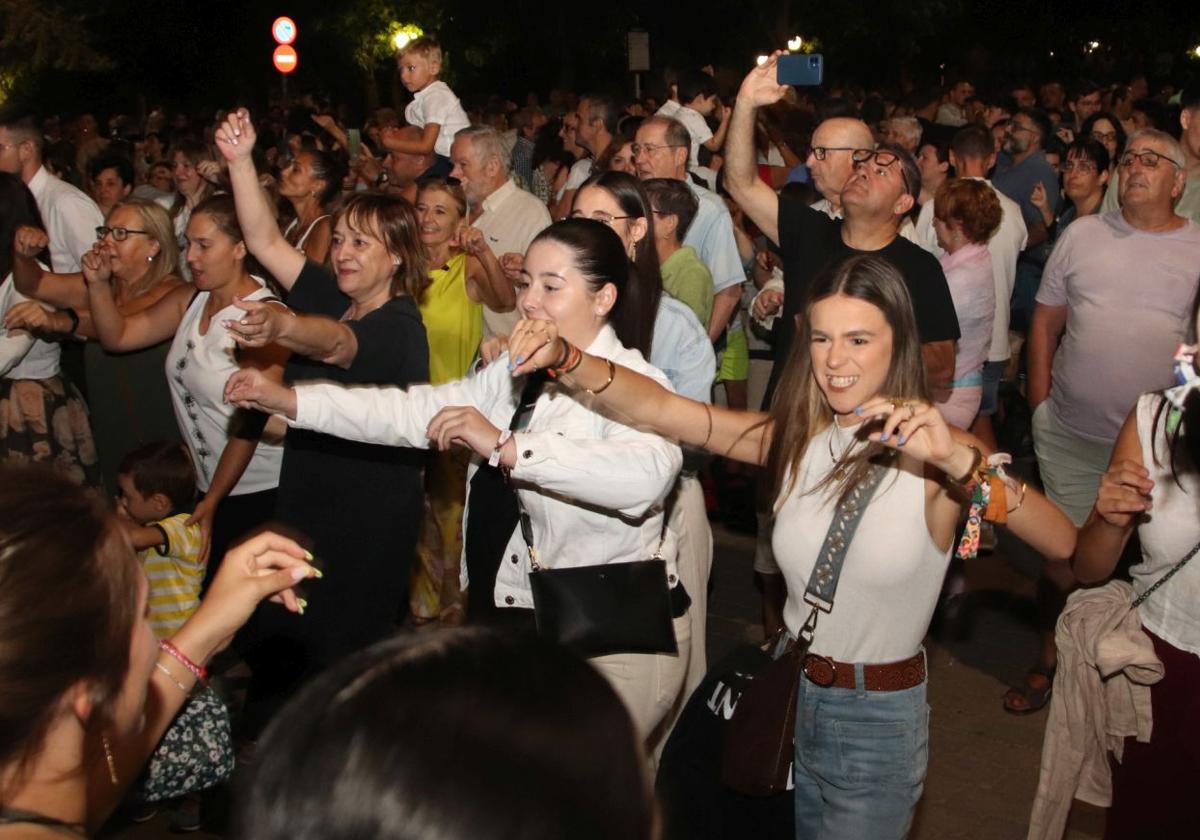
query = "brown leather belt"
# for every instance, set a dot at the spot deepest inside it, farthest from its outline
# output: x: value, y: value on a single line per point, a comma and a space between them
x: 892, y: 676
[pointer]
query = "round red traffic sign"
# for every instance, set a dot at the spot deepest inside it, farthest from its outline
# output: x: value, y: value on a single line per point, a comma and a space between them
x: 284, y: 30
x: 285, y: 58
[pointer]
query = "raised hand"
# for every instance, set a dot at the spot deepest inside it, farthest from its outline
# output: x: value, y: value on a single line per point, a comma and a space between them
x: 236, y: 135
x: 760, y: 88
x: 911, y: 426
x: 248, y: 388
x: 512, y: 264
x: 96, y: 265
x: 263, y: 323
x: 534, y: 345
x: 1124, y: 494
x: 475, y: 243
x: 30, y: 241
x: 767, y: 303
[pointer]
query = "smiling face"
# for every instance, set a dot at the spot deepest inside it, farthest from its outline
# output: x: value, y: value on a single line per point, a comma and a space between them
x: 851, y: 351
x: 187, y: 179
x: 362, y: 262
x: 552, y: 288
x: 597, y: 203
x: 622, y: 160
x: 439, y: 216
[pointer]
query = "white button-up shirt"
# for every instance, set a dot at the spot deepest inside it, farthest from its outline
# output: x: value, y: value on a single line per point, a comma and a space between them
x: 592, y: 487
x: 510, y: 220
x: 1005, y: 245
x: 21, y: 355
x: 70, y: 217
x: 436, y: 103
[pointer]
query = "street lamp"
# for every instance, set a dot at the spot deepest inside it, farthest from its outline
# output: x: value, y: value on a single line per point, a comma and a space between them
x: 1195, y: 51
x: 1091, y: 47
x: 405, y: 34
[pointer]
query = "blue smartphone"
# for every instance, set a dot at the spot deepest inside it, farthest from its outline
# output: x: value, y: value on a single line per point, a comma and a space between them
x: 802, y: 69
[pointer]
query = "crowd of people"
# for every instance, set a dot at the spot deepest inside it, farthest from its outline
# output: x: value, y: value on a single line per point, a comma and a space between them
x: 291, y: 396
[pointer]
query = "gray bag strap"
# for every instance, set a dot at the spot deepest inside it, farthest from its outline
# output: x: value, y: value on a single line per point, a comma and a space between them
x: 823, y: 581
x: 1170, y: 574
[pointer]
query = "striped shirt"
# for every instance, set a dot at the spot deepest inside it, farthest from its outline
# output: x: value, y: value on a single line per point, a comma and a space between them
x: 175, y: 573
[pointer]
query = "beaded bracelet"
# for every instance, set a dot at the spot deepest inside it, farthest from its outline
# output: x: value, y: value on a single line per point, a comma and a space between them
x: 199, y: 672
x: 171, y: 677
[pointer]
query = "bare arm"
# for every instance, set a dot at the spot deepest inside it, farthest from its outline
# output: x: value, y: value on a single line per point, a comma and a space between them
x: 725, y: 304
x: 1045, y: 328
x: 1123, y: 498
x: 393, y: 142
x: 714, y: 143
x: 756, y: 198
x: 235, y: 139
x: 640, y: 402
x: 486, y: 280
x: 318, y: 337
x: 63, y: 291
x: 118, y: 333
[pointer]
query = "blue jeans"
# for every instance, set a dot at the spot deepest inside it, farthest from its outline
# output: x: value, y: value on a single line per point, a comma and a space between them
x: 860, y: 761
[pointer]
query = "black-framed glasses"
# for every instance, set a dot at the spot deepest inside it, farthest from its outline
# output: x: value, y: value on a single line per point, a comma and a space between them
x: 654, y: 148
x: 883, y: 160
x: 120, y: 234
x: 1104, y: 136
x: 821, y: 152
x: 1014, y: 127
x: 602, y: 217
x: 1146, y: 158
x: 1078, y: 166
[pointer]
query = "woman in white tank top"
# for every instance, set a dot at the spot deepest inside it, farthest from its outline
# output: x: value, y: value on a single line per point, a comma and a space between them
x: 235, y: 472
x: 853, y: 395
x: 1153, y: 485
x: 311, y: 183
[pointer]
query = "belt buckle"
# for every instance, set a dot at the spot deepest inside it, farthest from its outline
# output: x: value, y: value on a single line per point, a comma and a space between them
x: 820, y: 669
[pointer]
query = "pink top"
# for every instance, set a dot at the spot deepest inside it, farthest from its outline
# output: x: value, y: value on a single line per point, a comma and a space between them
x: 969, y: 276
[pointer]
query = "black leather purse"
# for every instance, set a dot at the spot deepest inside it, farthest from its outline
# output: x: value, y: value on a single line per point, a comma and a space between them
x: 606, y: 608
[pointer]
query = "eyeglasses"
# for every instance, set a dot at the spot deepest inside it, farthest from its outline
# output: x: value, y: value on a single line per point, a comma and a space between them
x: 1083, y: 166
x: 820, y: 152
x: 602, y: 217
x: 120, y: 234
x: 1104, y: 136
x: 1014, y: 127
x: 883, y: 160
x: 654, y: 148
x: 1146, y: 158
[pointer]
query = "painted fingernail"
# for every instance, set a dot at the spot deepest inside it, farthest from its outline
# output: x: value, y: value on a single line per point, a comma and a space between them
x: 900, y: 440
x: 520, y: 360
x: 317, y: 573
x: 883, y: 437
x: 300, y: 605
x: 858, y: 409
x: 308, y: 555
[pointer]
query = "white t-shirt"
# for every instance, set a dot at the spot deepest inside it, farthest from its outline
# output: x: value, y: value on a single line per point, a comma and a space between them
x: 893, y: 571
x: 22, y: 356
x: 436, y: 103
x: 198, y: 366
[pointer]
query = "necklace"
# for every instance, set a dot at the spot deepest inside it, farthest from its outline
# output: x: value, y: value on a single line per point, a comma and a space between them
x: 839, y: 474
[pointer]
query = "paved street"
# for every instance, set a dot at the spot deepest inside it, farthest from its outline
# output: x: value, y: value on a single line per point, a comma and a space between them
x: 983, y: 762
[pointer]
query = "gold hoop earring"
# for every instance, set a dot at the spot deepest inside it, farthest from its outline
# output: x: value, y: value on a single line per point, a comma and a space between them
x: 108, y: 756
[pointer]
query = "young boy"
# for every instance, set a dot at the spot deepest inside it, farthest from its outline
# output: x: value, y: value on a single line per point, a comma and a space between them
x: 434, y: 109
x: 698, y: 99
x: 158, y: 489
x: 685, y: 276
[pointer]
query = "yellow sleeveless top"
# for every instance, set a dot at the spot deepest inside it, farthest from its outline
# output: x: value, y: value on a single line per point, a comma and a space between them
x: 453, y: 322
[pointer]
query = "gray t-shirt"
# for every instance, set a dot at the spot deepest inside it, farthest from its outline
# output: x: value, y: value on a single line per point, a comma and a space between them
x: 1128, y: 295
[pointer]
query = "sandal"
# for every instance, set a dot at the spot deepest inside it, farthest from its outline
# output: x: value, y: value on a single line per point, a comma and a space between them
x: 1029, y: 698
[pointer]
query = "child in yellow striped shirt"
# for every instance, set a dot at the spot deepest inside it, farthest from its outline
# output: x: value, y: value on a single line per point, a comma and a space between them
x: 158, y: 492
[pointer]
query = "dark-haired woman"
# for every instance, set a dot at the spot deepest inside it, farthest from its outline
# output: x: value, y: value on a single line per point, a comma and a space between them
x: 443, y: 727
x: 87, y: 692
x: 191, y: 188
x: 311, y: 183
x: 965, y: 214
x: 1153, y: 485
x: 592, y: 486
x: 356, y: 323
x: 852, y: 400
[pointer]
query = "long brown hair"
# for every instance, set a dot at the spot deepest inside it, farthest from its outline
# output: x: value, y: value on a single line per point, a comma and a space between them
x: 68, y: 603
x: 394, y: 222
x: 800, y: 411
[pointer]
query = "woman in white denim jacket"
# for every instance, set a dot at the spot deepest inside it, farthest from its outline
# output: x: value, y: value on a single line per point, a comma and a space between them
x: 591, y: 485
